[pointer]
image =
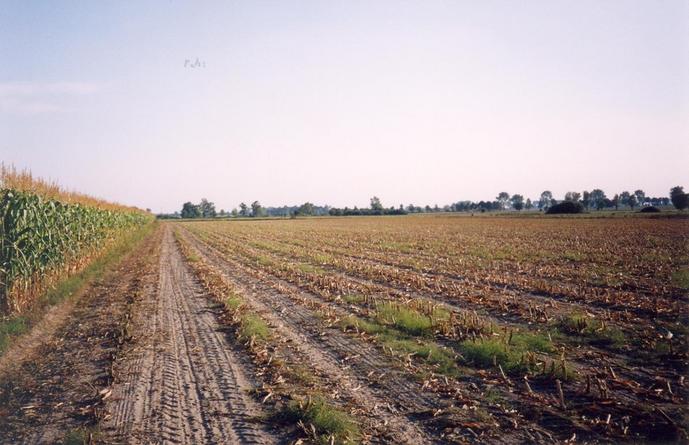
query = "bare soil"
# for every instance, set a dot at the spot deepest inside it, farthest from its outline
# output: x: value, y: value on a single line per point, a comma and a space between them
x: 178, y: 380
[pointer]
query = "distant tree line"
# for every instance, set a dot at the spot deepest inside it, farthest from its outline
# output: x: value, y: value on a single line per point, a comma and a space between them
x: 595, y: 199
x: 589, y: 200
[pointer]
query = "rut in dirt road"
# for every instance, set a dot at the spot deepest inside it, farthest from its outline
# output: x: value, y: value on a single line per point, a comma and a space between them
x: 181, y: 381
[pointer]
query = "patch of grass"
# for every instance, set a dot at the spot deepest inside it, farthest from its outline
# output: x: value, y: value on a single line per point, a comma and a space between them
x: 322, y: 258
x: 572, y: 256
x: 328, y: 420
x: 11, y: 327
x: 486, y: 353
x: 362, y: 325
x: 405, y: 319
x: 310, y: 268
x: 264, y: 260
x: 441, y: 358
x: 557, y: 369
x: 594, y: 331
x: 353, y: 298
x: 233, y: 302
x: 504, y: 351
x: 431, y: 353
x: 527, y: 341
x: 575, y: 323
x: 193, y: 258
x: 681, y: 278
x: 398, y: 247
x: 253, y: 326
x: 80, y: 436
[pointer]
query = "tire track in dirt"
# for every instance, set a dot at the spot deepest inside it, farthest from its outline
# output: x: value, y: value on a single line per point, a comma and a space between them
x: 180, y: 381
x: 332, y: 351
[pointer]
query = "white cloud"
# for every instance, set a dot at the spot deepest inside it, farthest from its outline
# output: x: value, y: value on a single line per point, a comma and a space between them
x: 41, y: 97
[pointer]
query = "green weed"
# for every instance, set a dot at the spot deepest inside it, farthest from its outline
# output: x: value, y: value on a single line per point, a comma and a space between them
x: 327, y: 420
x: 506, y: 351
x: 11, y: 327
x: 353, y: 298
x: 253, y: 326
x: 405, y: 319
x: 594, y: 331
x: 681, y: 278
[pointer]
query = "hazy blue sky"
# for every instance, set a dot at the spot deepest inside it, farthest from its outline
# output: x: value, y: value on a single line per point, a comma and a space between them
x: 332, y: 102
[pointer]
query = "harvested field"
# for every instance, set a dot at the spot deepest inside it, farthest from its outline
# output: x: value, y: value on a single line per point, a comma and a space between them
x: 506, y: 329
x: 431, y: 329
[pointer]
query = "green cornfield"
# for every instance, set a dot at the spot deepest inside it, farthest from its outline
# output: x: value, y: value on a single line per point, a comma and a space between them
x: 43, y: 240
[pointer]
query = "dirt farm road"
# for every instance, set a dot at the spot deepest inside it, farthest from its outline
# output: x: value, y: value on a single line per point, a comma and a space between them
x: 141, y: 355
x: 181, y: 382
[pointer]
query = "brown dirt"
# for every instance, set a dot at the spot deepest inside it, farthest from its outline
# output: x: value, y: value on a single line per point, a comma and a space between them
x: 179, y: 380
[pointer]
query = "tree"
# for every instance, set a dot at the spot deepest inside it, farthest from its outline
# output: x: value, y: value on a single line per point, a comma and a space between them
x: 572, y: 196
x: 640, y: 196
x: 190, y: 210
x: 586, y: 199
x: 529, y: 204
x: 679, y: 199
x: 632, y: 201
x: 546, y: 199
x: 376, y: 206
x: 207, y: 208
x: 306, y: 209
x: 624, y: 198
x: 598, y: 198
x: 565, y: 207
x: 517, y: 202
x: 616, y: 201
x: 243, y: 210
x: 256, y: 209
x: 503, y: 198
x: 234, y: 212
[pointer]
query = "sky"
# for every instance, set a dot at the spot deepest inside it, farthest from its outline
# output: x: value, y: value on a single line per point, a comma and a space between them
x: 157, y: 103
